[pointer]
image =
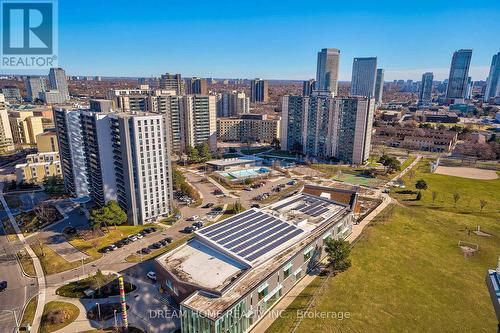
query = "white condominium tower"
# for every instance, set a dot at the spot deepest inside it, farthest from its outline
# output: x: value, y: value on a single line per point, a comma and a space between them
x: 364, y: 72
x: 327, y: 70
x: 118, y: 156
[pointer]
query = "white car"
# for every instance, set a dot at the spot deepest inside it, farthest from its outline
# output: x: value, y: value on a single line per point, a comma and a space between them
x: 194, y: 218
x: 113, y: 247
x: 151, y: 275
x: 132, y: 238
x: 139, y: 236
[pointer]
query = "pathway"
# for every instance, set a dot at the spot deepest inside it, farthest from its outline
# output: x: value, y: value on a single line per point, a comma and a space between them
x: 38, y: 267
x: 357, y: 229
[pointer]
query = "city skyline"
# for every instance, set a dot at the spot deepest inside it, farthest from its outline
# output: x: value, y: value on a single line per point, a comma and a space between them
x: 224, y: 46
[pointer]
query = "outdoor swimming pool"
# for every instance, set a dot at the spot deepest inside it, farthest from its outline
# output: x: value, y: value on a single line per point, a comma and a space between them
x: 246, y: 173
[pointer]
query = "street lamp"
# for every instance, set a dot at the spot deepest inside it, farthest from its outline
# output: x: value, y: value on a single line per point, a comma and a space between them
x: 116, y: 323
x: 98, y: 311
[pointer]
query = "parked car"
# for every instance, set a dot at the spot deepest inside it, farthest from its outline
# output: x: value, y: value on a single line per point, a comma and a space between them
x: 139, y: 235
x: 113, y: 247
x: 133, y: 238
x: 188, y: 229
x: 105, y: 249
x: 198, y: 224
x: 147, y: 230
x: 143, y: 233
x: 255, y: 206
x: 163, y: 242
x: 126, y: 241
x: 168, y: 239
x: 145, y: 250
x: 217, y: 209
x: 156, y: 245
x: 119, y: 244
x: 291, y: 182
x: 208, y: 205
x: 177, y: 216
x: 3, y: 285
x: 193, y: 218
x: 151, y: 275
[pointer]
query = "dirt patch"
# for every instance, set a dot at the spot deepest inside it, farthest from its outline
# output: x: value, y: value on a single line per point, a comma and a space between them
x: 472, y: 173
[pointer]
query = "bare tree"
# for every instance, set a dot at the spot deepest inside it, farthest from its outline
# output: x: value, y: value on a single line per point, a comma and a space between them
x: 434, y: 196
x: 411, y: 174
x: 44, y: 212
x: 456, y: 197
x: 482, y: 204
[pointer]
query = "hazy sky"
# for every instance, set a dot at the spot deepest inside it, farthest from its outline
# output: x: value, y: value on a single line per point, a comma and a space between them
x: 273, y: 39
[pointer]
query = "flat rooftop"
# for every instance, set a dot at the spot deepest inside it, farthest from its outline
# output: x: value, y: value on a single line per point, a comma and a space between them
x: 202, y: 265
x: 236, y: 253
x: 234, y: 161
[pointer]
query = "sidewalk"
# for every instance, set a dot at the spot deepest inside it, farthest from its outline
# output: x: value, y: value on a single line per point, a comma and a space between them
x: 357, y: 229
x: 38, y: 267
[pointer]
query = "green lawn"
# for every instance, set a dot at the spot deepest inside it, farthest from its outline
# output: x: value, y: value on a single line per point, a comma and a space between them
x: 408, y: 273
x: 29, y: 312
x: 27, y: 263
x: 70, y: 311
x: 53, y: 263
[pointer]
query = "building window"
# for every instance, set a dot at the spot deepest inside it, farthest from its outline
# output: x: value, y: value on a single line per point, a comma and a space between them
x: 308, y: 253
x: 263, y: 290
x: 287, y: 270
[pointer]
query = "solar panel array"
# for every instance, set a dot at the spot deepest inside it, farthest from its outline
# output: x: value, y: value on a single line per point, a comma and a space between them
x: 251, y: 234
x: 312, y: 206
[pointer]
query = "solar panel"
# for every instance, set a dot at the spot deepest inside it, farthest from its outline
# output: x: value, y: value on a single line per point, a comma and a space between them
x: 288, y: 203
x: 316, y: 209
x: 273, y: 245
x: 265, y: 241
x: 220, y: 224
x: 242, y: 246
x: 226, y: 226
x: 243, y: 235
x: 321, y: 211
x: 242, y: 228
x: 224, y: 232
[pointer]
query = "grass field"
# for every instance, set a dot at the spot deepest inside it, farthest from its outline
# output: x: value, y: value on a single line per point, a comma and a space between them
x: 408, y: 273
x: 70, y: 310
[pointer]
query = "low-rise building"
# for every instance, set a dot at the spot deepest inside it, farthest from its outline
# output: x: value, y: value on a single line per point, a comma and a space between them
x: 227, y: 164
x: 436, y: 117
x: 248, y: 128
x: 38, y: 167
x: 25, y: 127
x: 416, y: 138
x: 232, y: 272
x: 45, y: 163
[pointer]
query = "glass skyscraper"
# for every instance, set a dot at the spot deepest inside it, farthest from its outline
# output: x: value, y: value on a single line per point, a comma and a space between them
x: 379, y: 85
x: 425, y: 94
x: 493, y: 85
x: 327, y: 70
x: 459, y: 73
x: 364, y: 71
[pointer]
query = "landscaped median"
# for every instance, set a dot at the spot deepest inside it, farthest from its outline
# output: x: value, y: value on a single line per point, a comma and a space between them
x: 26, y: 263
x: 143, y: 257
x: 57, y: 315
x: 98, y: 285
x: 29, y: 312
x: 53, y: 263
